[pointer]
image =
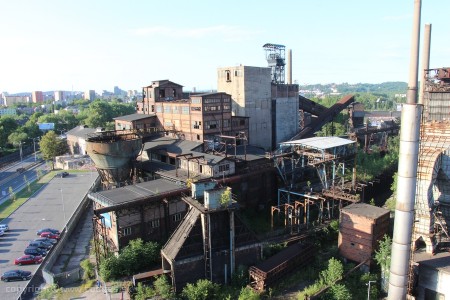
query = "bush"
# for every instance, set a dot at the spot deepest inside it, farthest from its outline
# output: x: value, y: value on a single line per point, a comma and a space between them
x: 144, y: 292
x: 203, y: 289
x: 248, y: 294
x: 338, y: 292
x: 130, y: 260
x: 88, y: 269
x: 163, y: 288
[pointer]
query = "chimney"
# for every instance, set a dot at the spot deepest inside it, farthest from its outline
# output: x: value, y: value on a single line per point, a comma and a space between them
x: 289, y: 66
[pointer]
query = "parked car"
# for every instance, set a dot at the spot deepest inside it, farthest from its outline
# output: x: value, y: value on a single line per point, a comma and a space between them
x: 50, y: 235
x: 47, y: 240
x: 28, y: 260
x: 4, y: 227
x: 35, y: 251
x: 20, y: 170
x: 16, y: 275
x: 41, y: 245
x: 40, y: 231
x: 63, y: 174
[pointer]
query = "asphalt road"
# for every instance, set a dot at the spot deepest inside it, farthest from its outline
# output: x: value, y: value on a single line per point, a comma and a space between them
x: 9, y: 177
x: 51, y: 207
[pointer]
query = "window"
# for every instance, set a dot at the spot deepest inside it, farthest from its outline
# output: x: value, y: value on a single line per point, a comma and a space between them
x: 196, y: 108
x: 223, y: 168
x: 153, y: 108
x: 228, y: 75
x: 167, y: 109
x: 196, y: 101
x: 168, y: 124
x: 176, y: 110
x: 226, y: 107
x: 158, y: 108
x: 212, y: 124
x: 176, y: 217
x: 174, y: 93
x: 185, y: 110
x: 126, y: 231
x: 226, y: 123
x: 154, y: 223
x: 196, y: 124
x: 242, y: 122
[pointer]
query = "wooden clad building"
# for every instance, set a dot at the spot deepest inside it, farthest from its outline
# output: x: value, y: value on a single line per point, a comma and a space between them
x: 361, y: 226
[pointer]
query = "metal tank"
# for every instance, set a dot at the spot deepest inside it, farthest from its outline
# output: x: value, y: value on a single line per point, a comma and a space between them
x: 113, y: 154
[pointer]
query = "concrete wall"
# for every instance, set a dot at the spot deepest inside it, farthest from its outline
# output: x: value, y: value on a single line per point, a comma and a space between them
x: 250, y: 90
x: 432, y: 281
x: 287, y: 118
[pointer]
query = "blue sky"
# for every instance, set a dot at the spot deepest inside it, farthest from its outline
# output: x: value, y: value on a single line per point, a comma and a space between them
x: 96, y: 44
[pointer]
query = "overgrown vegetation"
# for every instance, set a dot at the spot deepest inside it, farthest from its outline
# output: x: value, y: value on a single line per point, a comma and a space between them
x: 136, y: 257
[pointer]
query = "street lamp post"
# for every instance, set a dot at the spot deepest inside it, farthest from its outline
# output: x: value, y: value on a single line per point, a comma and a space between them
x: 20, y: 151
x: 34, y: 147
x: 368, y: 288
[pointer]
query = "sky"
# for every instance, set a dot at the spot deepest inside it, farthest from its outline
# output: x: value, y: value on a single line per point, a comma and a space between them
x: 98, y: 44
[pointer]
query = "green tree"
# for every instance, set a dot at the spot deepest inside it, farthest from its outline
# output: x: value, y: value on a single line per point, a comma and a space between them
x: 248, y: 293
x: 25, y: 179
x: 16, y: 138
x: 333, y: 273
x: 383, y: 259
x: 163, y: 288
x: 12, y: 194
x: 203, y: 289
x: 338, y: 292
x: 7, y: 126
x: 110, y: 268
x: 52, y: 146
x: 144, y: 292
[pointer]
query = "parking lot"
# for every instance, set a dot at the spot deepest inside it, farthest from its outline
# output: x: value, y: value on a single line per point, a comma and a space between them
x: 50, y: 207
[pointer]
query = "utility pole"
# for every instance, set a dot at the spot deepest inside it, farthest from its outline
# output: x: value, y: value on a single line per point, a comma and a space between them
x: 368, y: 288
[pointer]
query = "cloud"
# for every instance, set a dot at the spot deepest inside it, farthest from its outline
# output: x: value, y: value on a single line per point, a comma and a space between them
x: 223, y: 31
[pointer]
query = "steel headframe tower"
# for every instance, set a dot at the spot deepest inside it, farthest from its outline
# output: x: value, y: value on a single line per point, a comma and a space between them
x: 275, y: 55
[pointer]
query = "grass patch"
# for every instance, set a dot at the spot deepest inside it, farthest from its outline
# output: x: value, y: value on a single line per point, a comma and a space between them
x: 9, y: 206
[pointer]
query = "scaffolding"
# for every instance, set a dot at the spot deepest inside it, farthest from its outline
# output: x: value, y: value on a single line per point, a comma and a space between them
x: 306, y: 198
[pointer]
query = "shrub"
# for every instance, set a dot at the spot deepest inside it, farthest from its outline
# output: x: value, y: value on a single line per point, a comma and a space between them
x: 88, y: 269
x: 203, y: 289
x: 248, y: 293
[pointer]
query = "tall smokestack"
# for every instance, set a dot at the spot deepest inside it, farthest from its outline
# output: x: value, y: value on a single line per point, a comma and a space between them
x: 407, y: 174
x: 425, y: 59
x: 289, y: 66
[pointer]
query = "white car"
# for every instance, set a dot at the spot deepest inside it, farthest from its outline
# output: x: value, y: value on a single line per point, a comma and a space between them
x: 4, y: 227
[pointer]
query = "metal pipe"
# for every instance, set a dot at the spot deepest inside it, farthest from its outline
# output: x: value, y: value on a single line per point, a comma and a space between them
x: 425, y: 59
x: 407, y: 175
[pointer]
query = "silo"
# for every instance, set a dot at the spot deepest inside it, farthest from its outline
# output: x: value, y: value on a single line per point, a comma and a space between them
x: 113, y: 154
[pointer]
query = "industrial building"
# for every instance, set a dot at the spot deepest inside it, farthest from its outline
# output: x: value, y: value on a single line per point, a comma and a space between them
x: 262, y: 95
x: 199, y: 118
x: 431, y: 240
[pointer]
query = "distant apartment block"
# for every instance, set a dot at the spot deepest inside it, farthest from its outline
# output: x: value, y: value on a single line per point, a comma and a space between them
x: 59, y: 95
x: 11, y: 100
x: 37, y: 97
x: 89, y: 95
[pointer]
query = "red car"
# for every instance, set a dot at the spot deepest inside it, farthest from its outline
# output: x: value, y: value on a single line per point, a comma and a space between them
x: 50, y: 235
x: 28, y: 260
